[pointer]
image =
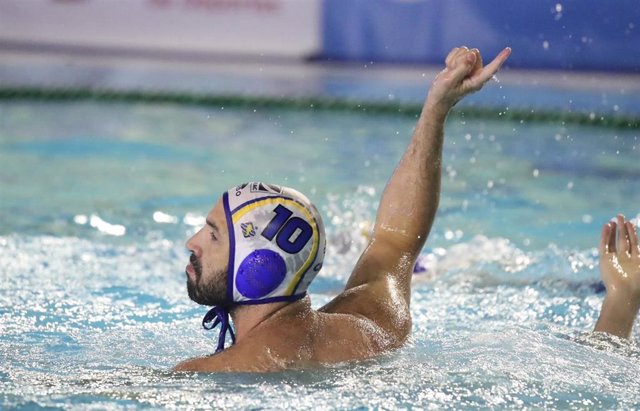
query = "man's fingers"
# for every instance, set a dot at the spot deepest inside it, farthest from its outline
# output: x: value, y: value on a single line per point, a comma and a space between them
x: 465, y: 73
x: 492, y: 68
x: 462, y: 65
x: 454, y: 54
x: 633, y: 239
x: 478, y: 66
x: 451, y: 56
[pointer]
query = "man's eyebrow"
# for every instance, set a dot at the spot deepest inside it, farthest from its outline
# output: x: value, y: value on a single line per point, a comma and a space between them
x: 212, y: 225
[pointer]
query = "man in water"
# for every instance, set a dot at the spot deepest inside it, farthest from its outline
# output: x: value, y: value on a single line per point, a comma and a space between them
x: 263, y: 244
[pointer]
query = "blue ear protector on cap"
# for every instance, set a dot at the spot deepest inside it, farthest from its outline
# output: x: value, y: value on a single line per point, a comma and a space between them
x: 260, y: 273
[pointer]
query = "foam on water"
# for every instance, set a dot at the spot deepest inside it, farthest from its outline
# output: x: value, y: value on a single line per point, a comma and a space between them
x: 91, y: 325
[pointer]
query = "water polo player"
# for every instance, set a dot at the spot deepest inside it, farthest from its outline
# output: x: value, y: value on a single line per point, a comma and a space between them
x: 263, y: 244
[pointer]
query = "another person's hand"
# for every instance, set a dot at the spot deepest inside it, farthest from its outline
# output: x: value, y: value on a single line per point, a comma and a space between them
x: 620, y: 263
x: 620, y: 272
x: 464, y: 73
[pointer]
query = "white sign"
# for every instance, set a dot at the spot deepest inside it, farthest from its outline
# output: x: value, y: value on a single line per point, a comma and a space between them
x: 263, y: 27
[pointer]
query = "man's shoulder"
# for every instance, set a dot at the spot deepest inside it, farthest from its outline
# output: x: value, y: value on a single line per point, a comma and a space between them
x: 377, y: 309
x: 318, y: 338
x: 308, y: 340
x: 247, y: 356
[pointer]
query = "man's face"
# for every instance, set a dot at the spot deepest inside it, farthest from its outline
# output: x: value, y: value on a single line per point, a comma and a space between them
x: 207, y: 269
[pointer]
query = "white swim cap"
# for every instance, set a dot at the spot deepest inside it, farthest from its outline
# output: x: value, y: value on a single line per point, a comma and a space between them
x: 276, y: 243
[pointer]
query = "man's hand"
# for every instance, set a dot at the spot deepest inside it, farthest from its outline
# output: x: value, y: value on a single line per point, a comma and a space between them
x: 464, y: 73
x: 620, y: 272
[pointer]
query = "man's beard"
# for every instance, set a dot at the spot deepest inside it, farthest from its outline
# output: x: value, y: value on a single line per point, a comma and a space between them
x: 213, y: 292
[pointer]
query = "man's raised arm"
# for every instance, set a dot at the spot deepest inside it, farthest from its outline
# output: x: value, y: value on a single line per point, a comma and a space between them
x: 410, y: 200
x: 379, y: 288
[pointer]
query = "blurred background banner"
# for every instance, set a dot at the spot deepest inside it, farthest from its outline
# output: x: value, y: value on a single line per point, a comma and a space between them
x: 558, y: 34
x: 547, y: 34
x: 280, y: 28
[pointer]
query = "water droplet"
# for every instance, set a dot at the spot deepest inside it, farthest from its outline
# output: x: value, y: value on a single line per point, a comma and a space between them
x: 164, y: 218
x: 193, y: 220
x: 81, y: 219
x: 545, y: 45
x: 107, y: 228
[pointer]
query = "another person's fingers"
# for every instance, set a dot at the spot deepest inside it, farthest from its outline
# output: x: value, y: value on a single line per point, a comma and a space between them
x: 612, y: 238
x: 623, y: 237
x: 633, y: 239
x: 604, y: 239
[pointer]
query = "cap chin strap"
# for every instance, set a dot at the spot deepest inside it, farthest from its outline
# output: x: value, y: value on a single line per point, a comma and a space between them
x: 219, y: 315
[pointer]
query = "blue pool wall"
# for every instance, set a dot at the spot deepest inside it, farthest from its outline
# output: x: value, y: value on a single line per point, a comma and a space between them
x: 561, y: 34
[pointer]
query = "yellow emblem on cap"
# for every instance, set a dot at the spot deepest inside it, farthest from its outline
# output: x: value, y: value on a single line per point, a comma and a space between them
x: 248, y: 230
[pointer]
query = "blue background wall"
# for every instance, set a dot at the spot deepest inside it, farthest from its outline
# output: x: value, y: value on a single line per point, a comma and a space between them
x: 561, y: 34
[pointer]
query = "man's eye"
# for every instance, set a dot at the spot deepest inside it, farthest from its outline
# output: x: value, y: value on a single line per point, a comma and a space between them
x: 213, y: 236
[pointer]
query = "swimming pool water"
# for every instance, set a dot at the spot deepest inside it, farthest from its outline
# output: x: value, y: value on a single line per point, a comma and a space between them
x: 98, y: 199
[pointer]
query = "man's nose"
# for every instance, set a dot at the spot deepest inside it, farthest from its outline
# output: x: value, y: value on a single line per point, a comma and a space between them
x: 193, y: 246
